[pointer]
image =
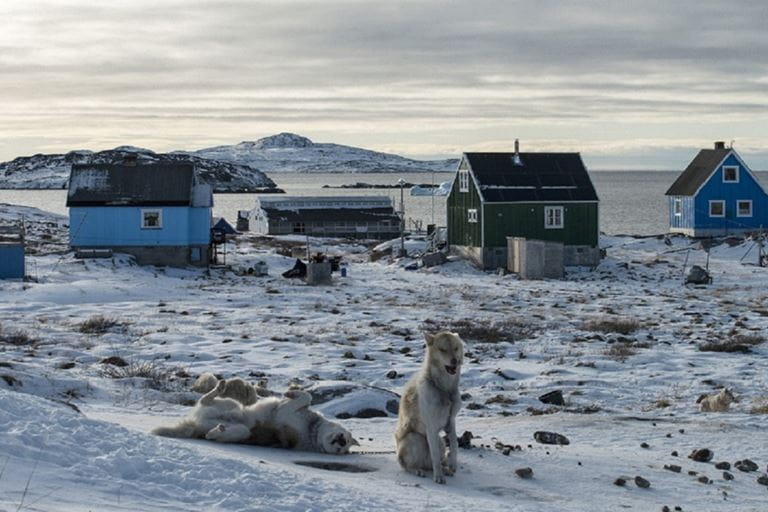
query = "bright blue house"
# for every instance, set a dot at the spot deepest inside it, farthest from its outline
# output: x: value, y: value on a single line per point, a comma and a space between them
x: 157, y: 212
x: 717, y: 195
x: 11, y: 253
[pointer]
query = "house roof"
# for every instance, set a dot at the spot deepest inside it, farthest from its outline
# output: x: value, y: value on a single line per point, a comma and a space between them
x: 156, y: 184
x: 531, y: 177
x: 698, y: 172
x: 323, y: 202
x: 331, y: 215
x: 221, y: 224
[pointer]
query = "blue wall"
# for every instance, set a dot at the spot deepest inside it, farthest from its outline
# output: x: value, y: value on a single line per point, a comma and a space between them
x: 746, y: 189
x: 121, y: 226
x: 11, y: 261
x: 686, y: 218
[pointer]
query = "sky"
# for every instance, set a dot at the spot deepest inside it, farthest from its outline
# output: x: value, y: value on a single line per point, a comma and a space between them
x: 629, y: 84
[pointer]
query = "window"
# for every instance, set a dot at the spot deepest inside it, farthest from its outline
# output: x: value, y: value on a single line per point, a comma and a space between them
x: 463, y: 181
x: 717, y: 208
x: 472, y: 215
x: 730, y: 174
x: 553, y: 217
x: 298, y: 227
x: 744, y: 208
x: 678, y: 207
x: 151, y: 219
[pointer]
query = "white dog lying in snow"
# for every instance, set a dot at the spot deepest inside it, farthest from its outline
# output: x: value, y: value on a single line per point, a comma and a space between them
x: 236, y: 388
x: 286, y: 423
x: 719, y: 402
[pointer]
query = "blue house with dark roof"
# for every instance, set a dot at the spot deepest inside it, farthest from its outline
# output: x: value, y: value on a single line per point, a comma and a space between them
x: 157, y: 212
x: 717, y: 195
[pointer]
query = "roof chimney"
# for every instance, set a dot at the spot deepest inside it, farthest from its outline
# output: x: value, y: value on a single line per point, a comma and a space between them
x: 516, y: 159
x: 719, y: 144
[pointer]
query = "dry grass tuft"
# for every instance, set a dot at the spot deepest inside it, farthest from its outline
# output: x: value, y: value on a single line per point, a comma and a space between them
x: 98, y: 324
x: 16, y: 337
x: 484, y: 332
x: 620, y: 351
x: 156, y: 375
x: 612, y: 324
x: 737, y: 343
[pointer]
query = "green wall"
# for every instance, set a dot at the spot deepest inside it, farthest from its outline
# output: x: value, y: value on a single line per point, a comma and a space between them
x: 527, y: 220
x: 460, y: 230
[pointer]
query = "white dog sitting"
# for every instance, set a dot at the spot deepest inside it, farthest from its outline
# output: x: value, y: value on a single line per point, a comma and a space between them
x: 719, y: 402
x: 429, y: 405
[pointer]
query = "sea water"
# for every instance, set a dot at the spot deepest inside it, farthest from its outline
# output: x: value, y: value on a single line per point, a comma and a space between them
x: 631, y: 202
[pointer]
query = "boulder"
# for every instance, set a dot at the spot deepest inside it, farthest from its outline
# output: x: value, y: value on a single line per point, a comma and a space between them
x: 702, y: 455
x: 553, y: 397
x: 350, y: 400
x: 550, y: 438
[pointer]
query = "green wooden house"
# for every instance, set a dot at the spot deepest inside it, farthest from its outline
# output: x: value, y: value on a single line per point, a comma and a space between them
x: 539, y: 196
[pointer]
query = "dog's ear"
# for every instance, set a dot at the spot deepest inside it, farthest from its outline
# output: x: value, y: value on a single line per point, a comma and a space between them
x: 429, y: 338
x: 354, y: 442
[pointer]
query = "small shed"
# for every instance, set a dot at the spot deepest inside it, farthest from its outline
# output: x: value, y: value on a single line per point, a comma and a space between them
x: 370, y: 217
x: 12, y: 263
x: 535, y: 259
x: 537, y: 196
x: 157, y: 212
x: 717, y: 195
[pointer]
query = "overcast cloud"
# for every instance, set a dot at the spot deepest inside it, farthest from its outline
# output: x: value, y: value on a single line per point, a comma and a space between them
x: 629, y: 84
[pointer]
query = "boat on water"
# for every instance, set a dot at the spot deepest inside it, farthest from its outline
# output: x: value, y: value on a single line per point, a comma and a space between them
x: 441, y: 190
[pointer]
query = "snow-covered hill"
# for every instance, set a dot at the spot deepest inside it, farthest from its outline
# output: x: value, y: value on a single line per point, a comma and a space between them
x: 52, y: 171
x: 288, y: 152
x: 236, y: 168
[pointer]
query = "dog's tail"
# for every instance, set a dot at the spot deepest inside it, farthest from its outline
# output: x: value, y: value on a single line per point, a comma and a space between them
x: 183, y: 429
x: 701, y: 397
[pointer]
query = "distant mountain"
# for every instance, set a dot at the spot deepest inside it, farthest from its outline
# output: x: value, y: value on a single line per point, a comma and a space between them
x: 52, y: 171
x: 288, y: 152
x: 236, y: 168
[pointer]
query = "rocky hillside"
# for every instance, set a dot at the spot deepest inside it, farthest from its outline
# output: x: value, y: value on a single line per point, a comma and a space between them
x: 288, y: 152
x: 52, y: 171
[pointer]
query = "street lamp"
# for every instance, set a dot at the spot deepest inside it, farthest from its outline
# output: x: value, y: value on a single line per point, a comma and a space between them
x: 401, y: 182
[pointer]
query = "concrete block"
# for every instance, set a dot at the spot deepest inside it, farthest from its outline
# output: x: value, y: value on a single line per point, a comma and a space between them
x: 318, y: 273
x: 433, y: 259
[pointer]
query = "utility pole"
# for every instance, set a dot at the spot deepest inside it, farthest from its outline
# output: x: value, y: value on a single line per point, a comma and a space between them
x: 433, y: 196
x: 401, y: 182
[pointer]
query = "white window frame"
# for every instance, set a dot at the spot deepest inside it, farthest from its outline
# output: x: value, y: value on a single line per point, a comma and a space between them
x: 472, y: 215
x: 158, y: 211
x: 678, y: 206
x: 554, y: 224
x: 715, y: 201
x: 738, y: 210
x: 463, y: 181
x: 736, y: 173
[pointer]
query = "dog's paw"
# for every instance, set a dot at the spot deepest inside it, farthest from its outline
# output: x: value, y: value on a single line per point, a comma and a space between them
x: 449, y: 469
x: 420, y: 473
x: 439, y: 479
x: 216, y: 432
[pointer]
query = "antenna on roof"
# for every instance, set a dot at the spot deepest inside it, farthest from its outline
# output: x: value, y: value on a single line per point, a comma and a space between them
x: 516, y: 159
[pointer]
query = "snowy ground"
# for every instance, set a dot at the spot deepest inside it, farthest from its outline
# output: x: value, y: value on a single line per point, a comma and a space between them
x: 74, y: 431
